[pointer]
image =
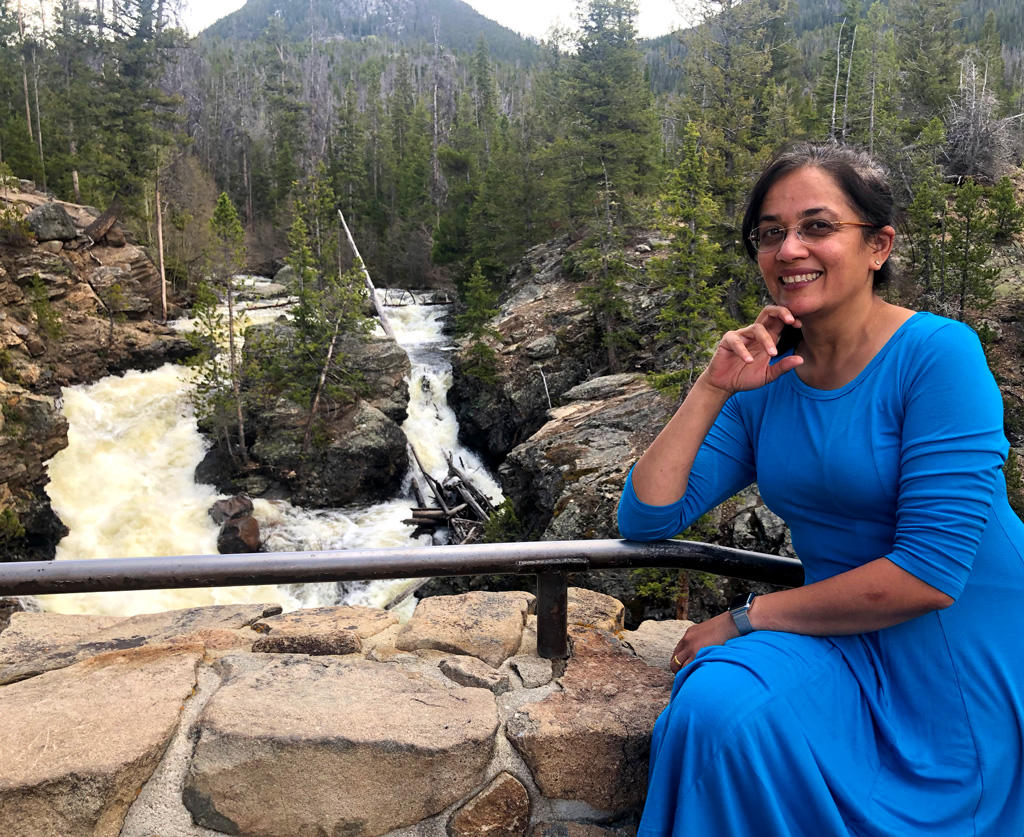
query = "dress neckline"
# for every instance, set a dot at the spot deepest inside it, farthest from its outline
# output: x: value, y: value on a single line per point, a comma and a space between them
x: 828, y: 394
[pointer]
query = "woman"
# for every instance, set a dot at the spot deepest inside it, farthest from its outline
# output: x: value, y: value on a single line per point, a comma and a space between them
x: 886, y: 696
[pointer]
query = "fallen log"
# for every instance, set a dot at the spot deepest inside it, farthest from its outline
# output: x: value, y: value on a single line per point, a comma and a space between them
x: 482, y: 498
x: 427, y: 512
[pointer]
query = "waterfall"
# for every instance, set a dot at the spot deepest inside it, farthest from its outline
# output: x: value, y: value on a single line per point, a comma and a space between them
x: 125, y: 486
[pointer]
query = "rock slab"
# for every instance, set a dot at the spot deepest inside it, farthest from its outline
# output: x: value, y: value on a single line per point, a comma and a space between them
x: 298, y: 745
x: 488, y: 626
x: 502, y: 809
x: 79, y: 743
x: 40, y: 642
x: 590, y: 742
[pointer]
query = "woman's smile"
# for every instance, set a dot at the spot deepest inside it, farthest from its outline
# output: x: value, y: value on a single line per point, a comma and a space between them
x: 802, y: 278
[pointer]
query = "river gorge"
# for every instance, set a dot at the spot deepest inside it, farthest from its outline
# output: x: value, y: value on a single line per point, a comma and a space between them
x: 124, y: 486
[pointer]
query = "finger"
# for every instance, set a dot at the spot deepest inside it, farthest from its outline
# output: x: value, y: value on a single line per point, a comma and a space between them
x: 764, y: 337
x: 787, y: 364
x: 734, y: 342
x: 778, y: 312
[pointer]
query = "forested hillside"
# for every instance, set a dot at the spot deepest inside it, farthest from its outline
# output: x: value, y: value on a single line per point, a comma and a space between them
x: 451, y: 145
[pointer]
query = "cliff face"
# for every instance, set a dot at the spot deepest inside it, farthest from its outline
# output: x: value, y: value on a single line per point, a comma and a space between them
x: 71, y: 312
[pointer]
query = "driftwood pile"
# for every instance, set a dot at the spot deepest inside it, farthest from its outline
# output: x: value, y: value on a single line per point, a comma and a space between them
x: 458, y: 504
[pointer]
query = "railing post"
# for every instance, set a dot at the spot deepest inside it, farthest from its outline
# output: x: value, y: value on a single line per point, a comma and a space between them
x: 552, y: 615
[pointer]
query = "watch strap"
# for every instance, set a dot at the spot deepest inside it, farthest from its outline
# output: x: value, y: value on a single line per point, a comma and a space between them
x: 740, y: 615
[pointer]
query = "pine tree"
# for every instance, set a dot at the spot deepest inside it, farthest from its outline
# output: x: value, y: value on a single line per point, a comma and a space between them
x: 612, y: 132
x: 929, y: 48
x: 1007, y: 213
x: 225, y: 260
x: 971, y: 231
x: 689, y: 317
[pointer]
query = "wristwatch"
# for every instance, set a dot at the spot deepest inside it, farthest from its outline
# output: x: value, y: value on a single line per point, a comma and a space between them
x: 738, y: 608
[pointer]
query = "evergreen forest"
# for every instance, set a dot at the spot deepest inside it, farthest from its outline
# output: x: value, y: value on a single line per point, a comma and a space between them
x: 451, y: 145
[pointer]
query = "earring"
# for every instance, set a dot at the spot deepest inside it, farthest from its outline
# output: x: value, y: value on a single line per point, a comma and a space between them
x: 878, y: 262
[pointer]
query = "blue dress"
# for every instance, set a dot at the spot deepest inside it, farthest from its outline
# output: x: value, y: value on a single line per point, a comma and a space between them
x: 917, y: 729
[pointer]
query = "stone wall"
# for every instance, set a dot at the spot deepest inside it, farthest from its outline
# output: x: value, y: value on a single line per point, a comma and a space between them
x: 242, y: 720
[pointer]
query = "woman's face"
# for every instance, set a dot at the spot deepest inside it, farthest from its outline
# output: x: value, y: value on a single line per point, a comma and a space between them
x: 818, y: 276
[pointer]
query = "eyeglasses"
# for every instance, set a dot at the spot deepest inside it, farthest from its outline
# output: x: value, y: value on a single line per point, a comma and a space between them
x: 769, y: 238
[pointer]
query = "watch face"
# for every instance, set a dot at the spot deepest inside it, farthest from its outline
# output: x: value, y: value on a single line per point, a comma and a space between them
x: 742, y: 600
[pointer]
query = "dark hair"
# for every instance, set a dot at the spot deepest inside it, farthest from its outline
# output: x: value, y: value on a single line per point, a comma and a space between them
x: 864, y: 182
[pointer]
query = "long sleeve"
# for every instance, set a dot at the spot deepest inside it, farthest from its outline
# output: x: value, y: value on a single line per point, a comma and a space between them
x: 952, y: 451
x: 724, y: 465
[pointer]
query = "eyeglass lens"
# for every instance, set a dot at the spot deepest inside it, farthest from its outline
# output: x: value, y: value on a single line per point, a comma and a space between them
x: 771, y: 237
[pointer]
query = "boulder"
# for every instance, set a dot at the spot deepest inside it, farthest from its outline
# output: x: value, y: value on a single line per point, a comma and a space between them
x: 385, y: 370
x: 399, y: 746
x: 360, y: 454
x: 285, y: 276
x: 475, y: 673
x: 502, y: 809
x: 233, y: 507
x: 364, y: 622
x: 488, y: 626
x: 380, y: 362
x: 654, y: 642
x: 239, y: 536
x: 534, y: 671
x: 40, y: 642
x: 590, y: 742
x: 51, y: 222
x: 80, y: 743
x: 595, y: 610
x: 315, y: 645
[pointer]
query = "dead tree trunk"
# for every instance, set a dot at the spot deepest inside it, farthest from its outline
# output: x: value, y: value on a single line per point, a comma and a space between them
x: 101, y: 226
x: 160, y: 252
x: 366, y: 278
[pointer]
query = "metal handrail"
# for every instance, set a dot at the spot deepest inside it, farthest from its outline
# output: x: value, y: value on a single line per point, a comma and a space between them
x: 550, y: 561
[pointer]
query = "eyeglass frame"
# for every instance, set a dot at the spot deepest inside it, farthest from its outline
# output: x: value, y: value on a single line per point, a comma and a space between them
x: 754, y: 236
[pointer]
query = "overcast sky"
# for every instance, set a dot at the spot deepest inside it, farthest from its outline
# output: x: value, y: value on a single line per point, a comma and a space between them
x: 530, y: 17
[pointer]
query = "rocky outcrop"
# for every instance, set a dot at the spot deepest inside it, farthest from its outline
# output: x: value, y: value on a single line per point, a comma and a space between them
x: 547, y: 343
x: 357, y: 453
x: 567, y: 478
x: 70, y: 313
x: 32, y: 430
x: 182, y: 729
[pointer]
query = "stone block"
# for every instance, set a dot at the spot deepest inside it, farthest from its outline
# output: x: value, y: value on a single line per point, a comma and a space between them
x: 298, y: 745
x: 27, y: 650
x: 595, y: 610
x: 80, y: 743
x: 363, y: 621
x: 502, y: 809
x: 474, y: 673
x: 484, y: 625
x: 534, y: 671
x: 590, y: 742
x: 316, y: 645
x: 654, y: 642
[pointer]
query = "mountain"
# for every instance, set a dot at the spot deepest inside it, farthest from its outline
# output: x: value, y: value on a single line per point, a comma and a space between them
x: 407, y: 22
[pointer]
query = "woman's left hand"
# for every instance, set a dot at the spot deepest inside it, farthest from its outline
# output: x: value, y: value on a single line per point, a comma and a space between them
x: 712, y: 632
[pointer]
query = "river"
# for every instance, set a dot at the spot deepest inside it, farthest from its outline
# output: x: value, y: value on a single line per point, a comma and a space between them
x: 124, y: 485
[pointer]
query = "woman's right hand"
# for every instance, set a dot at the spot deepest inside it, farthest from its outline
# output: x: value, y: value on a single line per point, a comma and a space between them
x: 743, y: 358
